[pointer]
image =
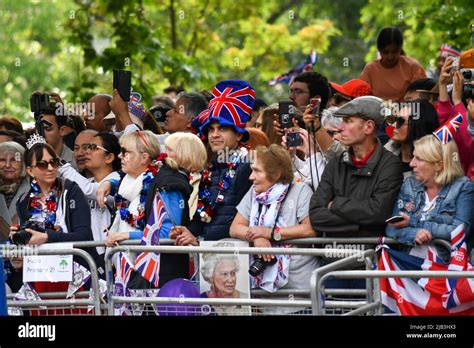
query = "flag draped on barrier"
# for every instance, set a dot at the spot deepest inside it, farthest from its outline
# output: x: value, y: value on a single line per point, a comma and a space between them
x: 146, y: 263
x: 428, y: 296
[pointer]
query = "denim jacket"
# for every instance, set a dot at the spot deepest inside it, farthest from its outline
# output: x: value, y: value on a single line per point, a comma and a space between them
x: 454, y: 206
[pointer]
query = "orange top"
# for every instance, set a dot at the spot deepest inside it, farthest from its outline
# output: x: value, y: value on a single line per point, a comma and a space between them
x: 392, y: 83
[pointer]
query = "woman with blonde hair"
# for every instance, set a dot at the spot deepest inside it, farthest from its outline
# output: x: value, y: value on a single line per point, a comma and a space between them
x: 187, y: 151
x: 137, y: 152
x: 436, y: 199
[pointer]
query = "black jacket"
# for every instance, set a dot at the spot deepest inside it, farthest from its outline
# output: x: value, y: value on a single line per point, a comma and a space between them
x: 362, y: 199
x: 172, y: 266
x: 77, y: 216
x: 219, y: 227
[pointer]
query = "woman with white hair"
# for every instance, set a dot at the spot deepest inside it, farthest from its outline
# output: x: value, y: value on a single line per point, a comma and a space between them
x: 13, y: 179
x: 220, y: 271
x: 436, y: 199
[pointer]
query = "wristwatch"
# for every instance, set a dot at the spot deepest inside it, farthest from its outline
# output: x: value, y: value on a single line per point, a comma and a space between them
x: 276, y: 235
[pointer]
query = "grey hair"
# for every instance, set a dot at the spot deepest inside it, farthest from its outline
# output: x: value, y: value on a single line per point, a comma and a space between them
x: 194, y: 103
x: 12, y: 147
x: 212, y: 260
x: 328, y: 118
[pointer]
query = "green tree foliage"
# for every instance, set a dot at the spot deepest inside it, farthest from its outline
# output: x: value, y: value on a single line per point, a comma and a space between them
x: 72, y: 46
x: 426, y: 24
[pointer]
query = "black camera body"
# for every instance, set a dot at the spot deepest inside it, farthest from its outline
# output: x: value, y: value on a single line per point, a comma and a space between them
x: 468, y: 74
x: 22, y: 237
x: 258, y: 266
x: 293, y: 139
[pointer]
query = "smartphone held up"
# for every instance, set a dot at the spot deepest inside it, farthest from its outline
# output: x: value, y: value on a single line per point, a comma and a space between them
x: 123, y: 83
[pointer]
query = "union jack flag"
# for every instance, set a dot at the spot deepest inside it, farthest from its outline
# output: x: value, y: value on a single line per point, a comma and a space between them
x: 446, y: 132
x: 199, y: 120
x: 148, y: 263
x: 307, y: 65
x: 433, y: 296
x: 448, y: 50
x: 232, y: 103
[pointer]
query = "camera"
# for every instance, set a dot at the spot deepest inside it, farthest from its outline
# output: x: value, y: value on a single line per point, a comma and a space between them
x: 39, y: 102
x: 258, y: 266
x: 468, y: 91
x: 22, y: 237
x: 467, y: 73
x: 294, y: 139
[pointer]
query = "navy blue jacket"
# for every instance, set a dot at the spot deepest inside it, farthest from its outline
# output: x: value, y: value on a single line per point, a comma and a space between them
x: 218, y: 228
x: 78, y: 217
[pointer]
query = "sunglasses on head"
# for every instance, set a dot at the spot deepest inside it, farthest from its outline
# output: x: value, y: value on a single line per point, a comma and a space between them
x: 93, y: 147
x: 43, y: 165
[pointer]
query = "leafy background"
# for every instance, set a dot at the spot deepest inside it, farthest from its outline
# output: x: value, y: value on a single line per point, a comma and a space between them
x: 72, y: 46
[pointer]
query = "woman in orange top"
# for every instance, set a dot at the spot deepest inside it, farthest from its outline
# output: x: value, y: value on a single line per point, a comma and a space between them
x: 390, y: 75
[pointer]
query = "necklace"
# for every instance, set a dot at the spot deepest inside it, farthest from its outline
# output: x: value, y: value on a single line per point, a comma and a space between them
x: 206, y: 206
x: 37, y: 210
x: 122, y: 204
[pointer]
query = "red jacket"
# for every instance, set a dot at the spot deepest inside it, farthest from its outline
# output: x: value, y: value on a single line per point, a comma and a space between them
x: 463, y: 139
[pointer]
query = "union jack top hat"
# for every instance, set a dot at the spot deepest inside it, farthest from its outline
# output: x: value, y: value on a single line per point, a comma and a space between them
x: 231, y: 105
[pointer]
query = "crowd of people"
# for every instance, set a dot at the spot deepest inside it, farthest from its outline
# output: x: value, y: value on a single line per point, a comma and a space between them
x: 208, y: 166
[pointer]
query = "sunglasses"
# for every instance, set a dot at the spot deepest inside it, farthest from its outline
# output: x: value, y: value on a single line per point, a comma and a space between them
x: 396, y: 121
x: 124, y: 151
x: 339, y: 98
x: 93, y: 147
x: 43, y: 165
x: 332, y: 133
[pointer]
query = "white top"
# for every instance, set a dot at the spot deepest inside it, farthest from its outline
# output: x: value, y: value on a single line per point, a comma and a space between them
x: 429, y: 206
x: 100, y: 218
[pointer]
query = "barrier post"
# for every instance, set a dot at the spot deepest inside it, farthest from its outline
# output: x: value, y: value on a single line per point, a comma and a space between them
x: 3, y: 292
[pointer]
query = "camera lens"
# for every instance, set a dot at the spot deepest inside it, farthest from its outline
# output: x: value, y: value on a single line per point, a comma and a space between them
x: 467, y: 74
x: 21, y: 237
x: 259, y: 266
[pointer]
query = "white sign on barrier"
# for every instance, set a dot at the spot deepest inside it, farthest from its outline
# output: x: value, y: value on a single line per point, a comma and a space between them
x: 50, y: 268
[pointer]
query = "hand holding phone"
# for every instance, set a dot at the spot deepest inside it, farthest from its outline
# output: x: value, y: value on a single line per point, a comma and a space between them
x: 394, y: 219
x: 286, y: 114
x: 293, y: 139
x: 316, y: 104
x: 123, y: 83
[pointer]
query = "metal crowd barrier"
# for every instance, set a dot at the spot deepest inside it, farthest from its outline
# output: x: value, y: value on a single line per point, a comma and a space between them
x: 293, y: 303
x: 366, y: 298
x: 376, y: 305
x: 69, y: 303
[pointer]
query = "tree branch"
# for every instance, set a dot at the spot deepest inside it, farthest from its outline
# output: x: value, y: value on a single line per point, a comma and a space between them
x: 173, y: 25
x: 275, y: 15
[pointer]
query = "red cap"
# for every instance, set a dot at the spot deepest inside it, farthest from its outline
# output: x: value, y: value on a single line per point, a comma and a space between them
x: 353, y: 88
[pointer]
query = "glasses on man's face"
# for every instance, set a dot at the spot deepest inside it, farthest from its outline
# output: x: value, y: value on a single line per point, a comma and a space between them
x: 44, y: 165
x: 93, y: 147
x: 297, y: 91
